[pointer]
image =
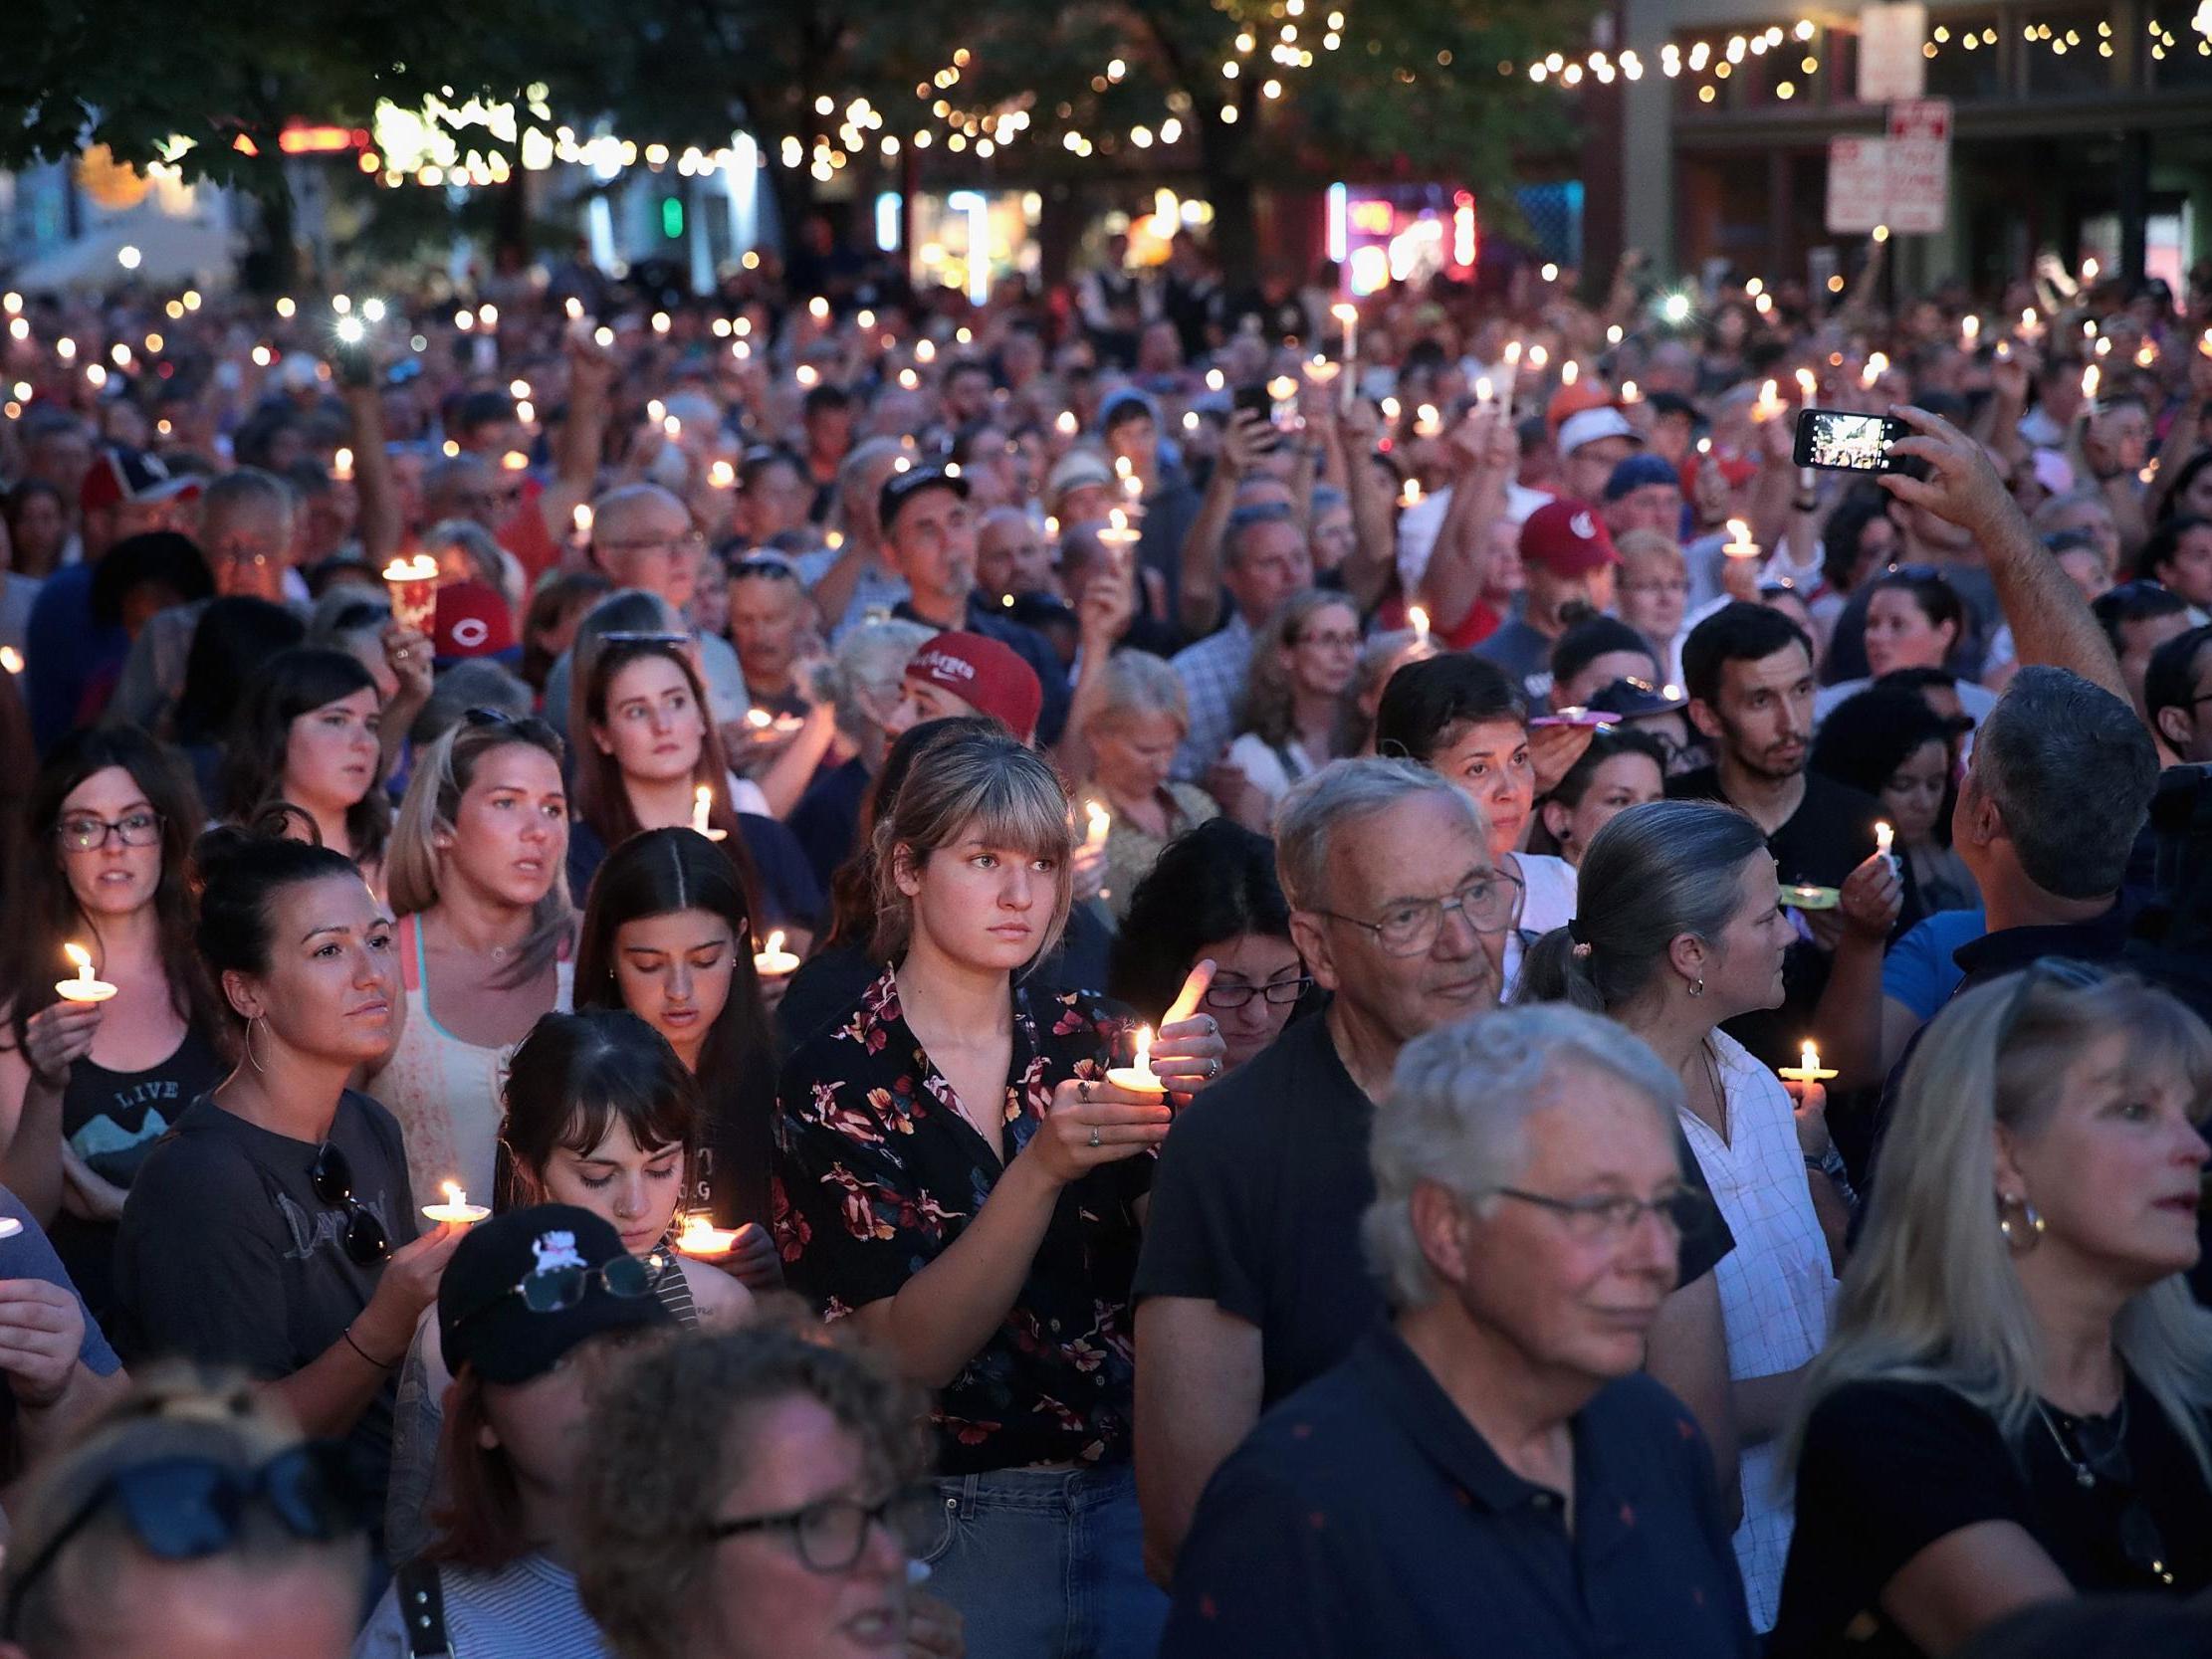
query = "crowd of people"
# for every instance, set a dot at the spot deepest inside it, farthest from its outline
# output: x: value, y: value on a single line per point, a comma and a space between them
x: 1133, y: 970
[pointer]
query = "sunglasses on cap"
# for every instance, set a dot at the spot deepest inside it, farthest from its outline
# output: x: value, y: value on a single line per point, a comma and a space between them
x: 554, y: 1290
x: 529, y: 728
x: 184, y: 1508
x: 639, y: 635
x: 364, y: 1240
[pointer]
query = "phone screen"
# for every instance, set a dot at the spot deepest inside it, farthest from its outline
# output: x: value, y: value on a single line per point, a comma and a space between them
x: 1840, y: 442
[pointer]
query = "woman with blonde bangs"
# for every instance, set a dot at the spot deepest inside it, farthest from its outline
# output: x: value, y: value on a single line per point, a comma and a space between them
x: 2014, y: 1405
x: 954, y: 1174
x: 485, y: 926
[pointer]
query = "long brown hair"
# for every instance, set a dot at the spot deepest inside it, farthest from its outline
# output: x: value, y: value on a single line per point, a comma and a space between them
x: 42, y: 907
x: 602, y: 799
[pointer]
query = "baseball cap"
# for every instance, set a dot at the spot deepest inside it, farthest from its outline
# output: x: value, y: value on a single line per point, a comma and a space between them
x: 472, y: 621
x: 1126, y: 404
x: 1567, y: 538
x: 902, y: 487
x: 1586, y: 426
x: 1637, y: 471
x: 1073, y: 471
x: 1633, y: 699
x: 988, y: 677
x: 120, y: 474
x: 1570, y: 401
x: 524, y: 1287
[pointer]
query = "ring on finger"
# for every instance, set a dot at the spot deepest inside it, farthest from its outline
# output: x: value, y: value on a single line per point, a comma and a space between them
x: 1094, y: 1135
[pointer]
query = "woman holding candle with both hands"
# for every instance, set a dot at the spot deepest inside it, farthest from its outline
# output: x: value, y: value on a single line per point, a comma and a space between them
x: 954, y: 1173
x: 86, y: 1087
x: 1677, y: 932
x: 600, y: 1114
x: 668, y: 936
x: 273, y: 1229
x: 476, y: 866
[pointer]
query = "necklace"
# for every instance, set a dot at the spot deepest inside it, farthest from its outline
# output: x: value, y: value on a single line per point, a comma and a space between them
x: 2084, y: 1476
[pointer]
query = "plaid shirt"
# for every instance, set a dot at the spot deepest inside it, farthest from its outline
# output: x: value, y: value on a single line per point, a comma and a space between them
x: 1212, y: 674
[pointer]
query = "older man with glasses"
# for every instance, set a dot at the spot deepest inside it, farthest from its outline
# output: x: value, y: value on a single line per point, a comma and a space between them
x: 1252, y: 1282
x: 1486, y: 1473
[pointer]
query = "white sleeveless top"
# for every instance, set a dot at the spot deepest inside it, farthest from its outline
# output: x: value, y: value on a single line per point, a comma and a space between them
x: 1777, y: 1287
x: 446, y: 1093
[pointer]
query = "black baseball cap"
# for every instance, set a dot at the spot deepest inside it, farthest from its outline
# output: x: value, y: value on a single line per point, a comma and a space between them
x: 556, y: 1258
x: 1630, y: 699
x: 902, y: 487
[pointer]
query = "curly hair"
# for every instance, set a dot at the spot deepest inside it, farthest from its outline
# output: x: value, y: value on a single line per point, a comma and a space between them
x: 663, y: 1449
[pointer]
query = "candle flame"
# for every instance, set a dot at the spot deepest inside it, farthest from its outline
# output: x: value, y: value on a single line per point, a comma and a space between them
x: 80, y: 958
x: 1419, y: 619
x: 455, y: 1194
x: 1143, y: 1062
x: 1513, y: 353
x: 775, y: 946
x: 583, y: 518
x: 421, y: 568
x: 11, y: 659
x: 1344, y: 311
x: 1482, y: 392
x: 1810, y: 1056
x: 1099, y: 818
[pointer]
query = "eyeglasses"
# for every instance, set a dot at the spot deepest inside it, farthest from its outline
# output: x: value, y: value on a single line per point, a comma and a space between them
x: 1614, y: 1216
x: 1278, y: 992
x: 184, y: 1508
x: 365, y: 1242
x: 831, y: 1533
x: 626, y: 636
x: 554, y: 1290
x: 529, y: 728
x: 2100, y: 1447
x: 1410, y: 926
x: 690, y: 541
x: 89, y: 833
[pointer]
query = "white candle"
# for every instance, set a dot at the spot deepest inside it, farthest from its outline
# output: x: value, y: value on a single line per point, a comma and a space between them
x: 1136, y: 1077
x: 1885, y: 836
x: 456, y: 1208
x: 1101, y: 825
x: 1119, y: 536
x: 1878, y: 364
x: 413, y: 583
x: 1809, y: 1069
x: 1348, y: 314
x: 702, y: 805
x: 1739, y: 543
x: 771, y: 960
x: 1511, y: 375
x: 701, y: 1237
x: 83, y: 988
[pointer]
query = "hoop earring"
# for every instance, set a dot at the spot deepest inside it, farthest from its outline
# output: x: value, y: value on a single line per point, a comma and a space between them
x: 250, y: 1024
x: 1697, y: 987
x: 2030, y: 1229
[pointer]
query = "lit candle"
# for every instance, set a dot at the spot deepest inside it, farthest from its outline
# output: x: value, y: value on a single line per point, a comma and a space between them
x: 1969, y: 330
x: 11, y: 659
x: 342, y: 465
x: 2030, y: 328
x: 1809, y: 1068
x: 414, y: 592
x: 1628, y: 392
x: 1427, y: 423
x: 83, y: 988
x: 771, y: 960
x: 818, y: 308
x: 702, y: 804
x: 1412, y: 494
x: 1101, y: 825
x: 1066, y: 424
x: 1136, y: 1077
x: 582, y: 520
x: 1483, y: 391
x: 759, y: 718
x: 2089, y: 378
x: 1807, y: 384
x: 701, y: 1237
x: 1878, y: 364
x: 722, y: 476
x: 575, y: 308
x: 1348, y: 317
x: 1118, y: 536
x: 1513, y: 373
x: 1419, y: 619
x: 456, y: 1208
x: 673, y: 427
x: 1884, y: 837
x: 1321, y: 371
x: 1769, y: 404
x: 1739, y: 543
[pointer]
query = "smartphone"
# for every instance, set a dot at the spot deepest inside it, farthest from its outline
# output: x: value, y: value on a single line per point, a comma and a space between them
x: 1261, y: 402
x: 1845, y: 443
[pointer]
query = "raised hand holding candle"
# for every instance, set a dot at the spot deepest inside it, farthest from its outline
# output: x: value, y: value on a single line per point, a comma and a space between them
x: 414, y: 592
x: 702, y: 805
x: 1136, y: 1077
x: 771, y: 960
x: 83, y: 988
x: 1809, y: 1069
x: 457, y: 1209
x: 1885, y: 838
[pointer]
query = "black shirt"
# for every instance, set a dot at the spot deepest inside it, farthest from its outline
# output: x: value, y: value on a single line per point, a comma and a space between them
x: 1889, y: 1467
x: 826, y: 820
x: 227, y: 1256
x: 1831, y: 834
x: 877, y: 1173
x: 1258, y: 1202
x: 1365, y: 1515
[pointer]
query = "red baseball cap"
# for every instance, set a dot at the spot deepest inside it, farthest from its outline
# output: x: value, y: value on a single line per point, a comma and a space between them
x: 472, y: 621
x: 1567, y: 538
x: 988, y: 677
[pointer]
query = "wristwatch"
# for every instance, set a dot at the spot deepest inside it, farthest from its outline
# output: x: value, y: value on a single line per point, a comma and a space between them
x: 1831, y: 1164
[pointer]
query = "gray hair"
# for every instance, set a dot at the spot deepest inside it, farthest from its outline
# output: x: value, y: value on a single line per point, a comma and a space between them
x: 474, y: 683
x: 867, y: 668
x: 625, y: 497
x: 476, y: 545
x: 1457, y: 1118
x: 1655, y: 872
x: 2072, y: 770
x: 243, y: 492
x: 1338, y: 795
x: 1136, y: 684
x: 1243, y: 519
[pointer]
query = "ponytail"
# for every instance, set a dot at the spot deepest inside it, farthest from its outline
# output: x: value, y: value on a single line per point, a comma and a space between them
x: 1557, y: 969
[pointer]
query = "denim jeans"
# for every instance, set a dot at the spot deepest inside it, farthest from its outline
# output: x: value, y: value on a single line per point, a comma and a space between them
x: 1047, y: 1563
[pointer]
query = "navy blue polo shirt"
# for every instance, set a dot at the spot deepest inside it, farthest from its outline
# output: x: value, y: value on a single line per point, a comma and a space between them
x: 1365, y: 1515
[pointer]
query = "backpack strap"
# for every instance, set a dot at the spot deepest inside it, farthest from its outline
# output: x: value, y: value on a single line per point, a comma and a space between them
x: 421, y: 1595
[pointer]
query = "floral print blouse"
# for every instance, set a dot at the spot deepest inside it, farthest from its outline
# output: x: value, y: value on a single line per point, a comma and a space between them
x: 876, y: 1172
